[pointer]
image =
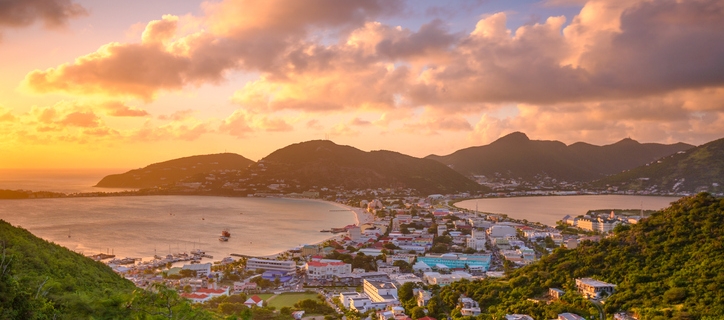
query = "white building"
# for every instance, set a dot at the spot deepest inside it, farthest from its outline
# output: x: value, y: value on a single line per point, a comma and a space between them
x: 327, y: 269
x: 592, y: 288
x: 477, y: 240
x: 501, y: 231
x: 271, y: 265
x: 202, y: 269
x: 445, y: 279
x: 381, y: 291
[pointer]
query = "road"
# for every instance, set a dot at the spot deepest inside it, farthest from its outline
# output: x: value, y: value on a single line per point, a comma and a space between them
x: 601, y: 314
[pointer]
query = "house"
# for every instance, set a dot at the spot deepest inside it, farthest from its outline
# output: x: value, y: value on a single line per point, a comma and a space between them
x: 254, y: 301
x: 423, y: 297
x: 244, y: 286
x: 469, y: 307
x: 569, y: 316
x: 298, y: 315
x: 555, y: 293
x: 594, y: 289
x: 518, y: 317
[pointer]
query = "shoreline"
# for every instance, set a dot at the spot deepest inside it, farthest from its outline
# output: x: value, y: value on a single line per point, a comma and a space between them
x: 361, y: 217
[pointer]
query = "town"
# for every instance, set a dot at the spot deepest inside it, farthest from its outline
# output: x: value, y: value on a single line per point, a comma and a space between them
x: 390, y: 264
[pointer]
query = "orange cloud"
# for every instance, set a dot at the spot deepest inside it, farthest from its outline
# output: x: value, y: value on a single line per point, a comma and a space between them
x: 241, y: 123
x: 119, y: 109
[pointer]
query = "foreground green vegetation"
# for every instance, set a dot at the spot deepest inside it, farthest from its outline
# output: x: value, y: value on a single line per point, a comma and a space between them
x: 666, y: 267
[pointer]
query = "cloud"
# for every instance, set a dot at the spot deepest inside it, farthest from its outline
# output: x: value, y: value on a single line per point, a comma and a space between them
x: 360, y: 122
x: 314, y: 125
x: 119, y: 109
x: 53, y: 13
x: 242, y: 123
x: 248, y: 35
x: 80, y: 119
x: 6, y: 115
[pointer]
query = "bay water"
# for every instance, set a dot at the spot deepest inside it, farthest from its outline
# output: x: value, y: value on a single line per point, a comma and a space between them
x: 550, y: 209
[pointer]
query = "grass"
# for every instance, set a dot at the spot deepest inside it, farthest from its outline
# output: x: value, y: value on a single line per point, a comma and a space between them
x: 263, y: 296
x: 289, y: 299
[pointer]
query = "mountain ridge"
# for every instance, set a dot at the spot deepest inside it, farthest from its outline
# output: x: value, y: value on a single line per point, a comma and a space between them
x: 515, y: 155
x: 171, y: 171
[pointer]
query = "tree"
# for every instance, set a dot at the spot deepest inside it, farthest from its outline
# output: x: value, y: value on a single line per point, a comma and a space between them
x: 160, y: 301
x: 417, y: 313
x: 404, y: 266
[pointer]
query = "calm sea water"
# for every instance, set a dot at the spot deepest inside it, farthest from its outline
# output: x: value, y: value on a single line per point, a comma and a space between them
x: 141, y: 226
x: 56, y: 180
x: 548, y: 210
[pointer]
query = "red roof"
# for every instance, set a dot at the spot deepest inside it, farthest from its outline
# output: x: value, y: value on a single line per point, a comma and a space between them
x: 324, y: 264
x: 255, y: 298
x: 211, y: 291
x: 426, y: 318
x: 194, y: 295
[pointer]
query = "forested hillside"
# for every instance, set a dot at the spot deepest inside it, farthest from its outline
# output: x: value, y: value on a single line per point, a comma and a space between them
x: 666, y: 267
x: 42, y: 280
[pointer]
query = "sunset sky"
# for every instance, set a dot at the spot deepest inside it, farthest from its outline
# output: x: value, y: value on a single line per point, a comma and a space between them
x: 122, y: 84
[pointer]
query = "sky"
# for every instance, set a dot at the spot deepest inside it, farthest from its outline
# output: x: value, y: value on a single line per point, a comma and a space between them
x: 109, y: 84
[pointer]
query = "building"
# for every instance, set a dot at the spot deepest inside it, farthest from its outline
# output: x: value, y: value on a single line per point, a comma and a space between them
x: 457, y: 261
x: 469, y: 307
x: 381, y: 291
x: 244, y: 286
x: 569, y: 316
x: 327, y: 269
x: 600, y: 224
x: 202, y: 269
x: 555, y: 293
x: 196, y: 297
x: 501, y: 231
x: 223, y: 291
x: 446, y: 279
x: 344, y: 298
x: 309, y: 250
x: 423, y: 297
x: 254, y: 301
x: 518, y: 317
x: 594, y: 289
x: 477, y: 240
x: 354, y: 233
x: 271, y: 265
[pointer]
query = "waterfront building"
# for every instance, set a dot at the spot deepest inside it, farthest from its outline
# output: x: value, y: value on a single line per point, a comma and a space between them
x: 309, y: 250
x: 271, y: 265
x: 202, y: 269
x: 592, y: 288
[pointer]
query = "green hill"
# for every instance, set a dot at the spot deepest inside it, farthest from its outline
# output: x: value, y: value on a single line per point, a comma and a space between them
x: 666, y: 267
x: 515, y: 155
x: 172, y: 171
x: 39, y: 279
x: 696, y: 170
x: 323, y: 163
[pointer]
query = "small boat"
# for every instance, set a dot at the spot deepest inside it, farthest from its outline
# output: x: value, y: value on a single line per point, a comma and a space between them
x: 222, y: 238
x: 225, y: 233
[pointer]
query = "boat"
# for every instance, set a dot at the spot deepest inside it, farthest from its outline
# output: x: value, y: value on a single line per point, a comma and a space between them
x: 225, y: 233
x: 222, y: 238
